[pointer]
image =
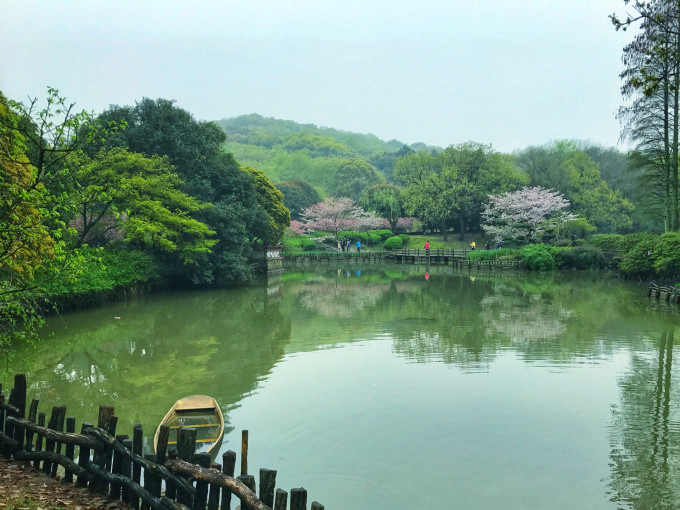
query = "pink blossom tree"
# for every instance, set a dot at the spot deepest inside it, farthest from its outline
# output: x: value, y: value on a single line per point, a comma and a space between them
x: 520, y: 215
x: 333, y: 215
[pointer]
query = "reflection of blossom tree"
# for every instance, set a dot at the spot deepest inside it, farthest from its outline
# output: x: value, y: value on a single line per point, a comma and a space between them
x: 645, y: 447
x: 530, y: 318
x: 338, y: 299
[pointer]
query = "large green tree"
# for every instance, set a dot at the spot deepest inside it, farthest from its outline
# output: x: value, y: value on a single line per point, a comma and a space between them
x: 386, y: 201
x: 159, y: 127
x: 651, y: 82
x: 140, y: 196
x: 568, y: 169
x: 272, y: 216
x: 297, y: 196
x: 354, y: 176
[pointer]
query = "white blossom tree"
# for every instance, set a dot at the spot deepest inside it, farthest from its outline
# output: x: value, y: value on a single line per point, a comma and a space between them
x: 520, y: 215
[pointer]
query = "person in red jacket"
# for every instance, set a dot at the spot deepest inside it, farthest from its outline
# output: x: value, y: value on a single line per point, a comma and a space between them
x: 427, y: 248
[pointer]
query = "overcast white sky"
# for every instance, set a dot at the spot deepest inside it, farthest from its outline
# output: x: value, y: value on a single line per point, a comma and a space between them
x: 507, y: 72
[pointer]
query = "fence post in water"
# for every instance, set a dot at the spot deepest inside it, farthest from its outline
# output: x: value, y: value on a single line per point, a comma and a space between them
x: 281, y: 500
x: 298, y: 499
x: 248, y: 481
x: 317, y: 506
x: 228, y: 466
x: 83, y: 456
x: 214, y: 495
x: 201, y: 497
x: 267, y: 486
x: 244, y: 452
x: 186, y: 446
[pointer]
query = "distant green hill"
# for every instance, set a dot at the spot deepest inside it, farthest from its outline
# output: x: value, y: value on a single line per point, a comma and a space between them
x: 254, y: 129
x: 286, y: 150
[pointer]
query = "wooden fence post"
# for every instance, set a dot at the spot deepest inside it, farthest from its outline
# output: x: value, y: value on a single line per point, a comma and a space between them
x: 267, y: 486
x: 32, y: 415
x: 214, y: 497
x: 281, y: 500
x: 186, y: 446
x: 228, y: 466
x: 244, y: 452
x: 298, y: 499
x: 70, y: 449
x: 39, y: 439
x: 201, y: 497
x: 83, y: 456
x: 248, y: 481
x: 60, y: 428
x: 137, y: 447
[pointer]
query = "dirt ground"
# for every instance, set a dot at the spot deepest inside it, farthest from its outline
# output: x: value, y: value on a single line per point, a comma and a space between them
x: 23, y: 487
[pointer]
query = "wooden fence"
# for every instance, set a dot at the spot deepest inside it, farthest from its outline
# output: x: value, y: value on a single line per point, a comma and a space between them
x: 116, y: 466
x: 455, y: 258
x: 664, y: 293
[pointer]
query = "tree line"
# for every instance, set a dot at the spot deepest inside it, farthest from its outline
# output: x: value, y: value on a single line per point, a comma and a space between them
x: 146, y: 187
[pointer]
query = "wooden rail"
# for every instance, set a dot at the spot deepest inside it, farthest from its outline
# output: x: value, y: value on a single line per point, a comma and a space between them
x: 664, y: 293
x: 115, y: 465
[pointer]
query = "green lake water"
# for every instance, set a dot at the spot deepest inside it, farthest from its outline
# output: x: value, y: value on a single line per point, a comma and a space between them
x: 401, y: 387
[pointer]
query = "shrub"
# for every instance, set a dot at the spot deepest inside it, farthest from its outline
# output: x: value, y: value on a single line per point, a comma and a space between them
x: 405, y: 238
x: 383, y: 233
x: 639, y: 252
x: 581, y: 257
x: 307, y: 244
x: 492, y: 254
x: 562, y: 243
x: 393, y: 243
x: 607, y: 242
x: 374, y: 239
x: 539, y: 257
x: 350, y: 235
x: 667, y: 254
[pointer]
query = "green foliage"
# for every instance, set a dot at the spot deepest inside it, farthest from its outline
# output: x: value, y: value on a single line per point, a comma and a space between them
x: 638, y: 252
x: 667, y: 254
x: 405, y: 237
x: 272, y: 216
x: 104, y: 270
x: 354, y: 176
x: 492, y: 254
x: 581, y: 257
x: 393, y: 243
x: 349, y: 235
x: 297, y: 196
x: 539, y: 257
x: 296, y: 244
x: 382, y: 233
x: 611, y: 243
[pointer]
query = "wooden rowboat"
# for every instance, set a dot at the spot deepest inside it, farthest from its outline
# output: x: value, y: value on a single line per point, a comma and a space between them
x: 199, y: 412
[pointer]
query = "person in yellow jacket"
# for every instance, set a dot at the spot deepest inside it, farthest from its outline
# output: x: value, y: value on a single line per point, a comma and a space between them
x: 473, y: 245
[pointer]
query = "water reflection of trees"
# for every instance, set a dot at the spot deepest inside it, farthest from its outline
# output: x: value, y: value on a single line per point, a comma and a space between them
x: 468, y: 319
x: 216, y: 343
x: 644, y: 436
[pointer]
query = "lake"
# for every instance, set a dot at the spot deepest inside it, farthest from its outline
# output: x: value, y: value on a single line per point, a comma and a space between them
x: 399, y: 387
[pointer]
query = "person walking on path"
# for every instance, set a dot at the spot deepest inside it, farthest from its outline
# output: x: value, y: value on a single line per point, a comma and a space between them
x: 359, y: 246
x: 427, y: 248
x: 473, y: 245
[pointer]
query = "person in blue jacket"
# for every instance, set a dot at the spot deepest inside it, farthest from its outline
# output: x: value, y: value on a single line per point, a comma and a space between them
x: 358, y: 245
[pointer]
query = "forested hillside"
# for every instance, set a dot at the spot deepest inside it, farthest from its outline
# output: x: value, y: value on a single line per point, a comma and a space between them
x: 286, y: 150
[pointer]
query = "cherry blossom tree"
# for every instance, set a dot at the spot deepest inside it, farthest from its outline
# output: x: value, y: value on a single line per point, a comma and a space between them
x: 333, y: 215
x: 520, y: 215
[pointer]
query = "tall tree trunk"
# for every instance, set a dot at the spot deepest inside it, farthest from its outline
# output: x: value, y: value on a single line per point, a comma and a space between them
x: 461, y: 222
x: 676, y: 109
x: 445, y: 231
